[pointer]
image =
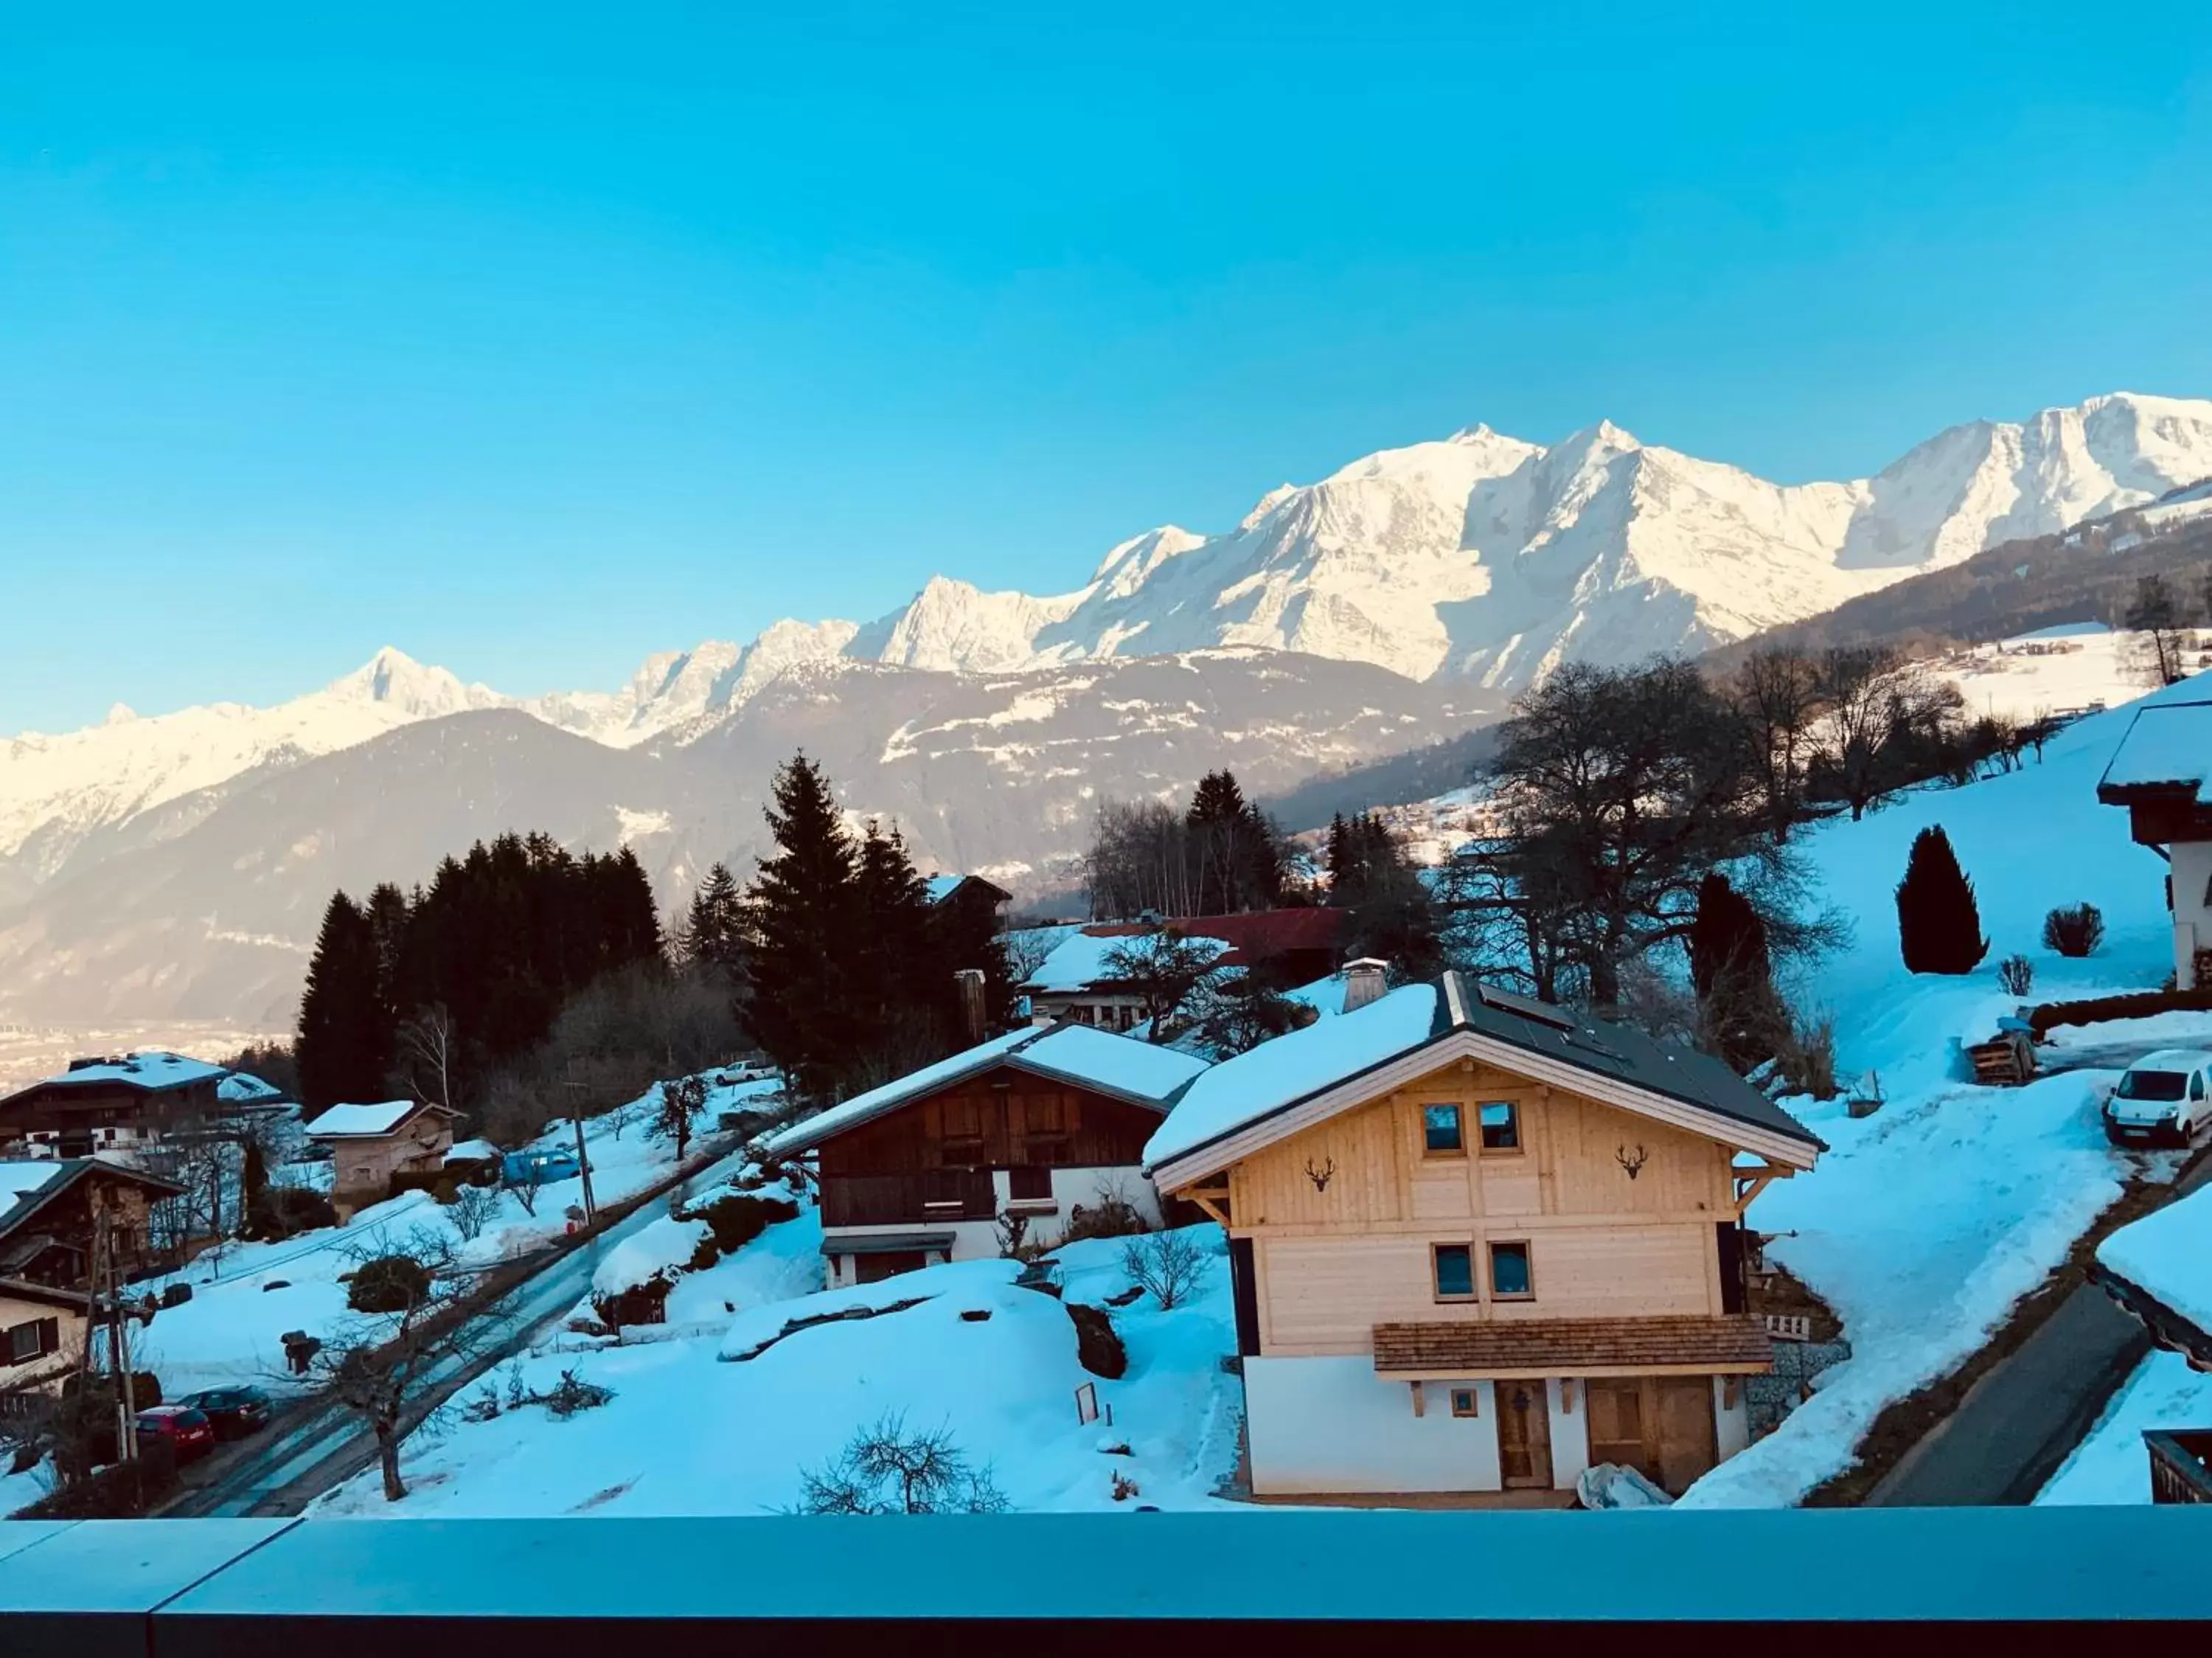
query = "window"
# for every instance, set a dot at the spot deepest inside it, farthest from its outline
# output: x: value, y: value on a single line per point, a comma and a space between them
x: 1029, y: 1185
x: 1501, y: 1126
x: 2197, y: 1085
x: 1440, y: 1135
x: 1466, y: 1402
x: 1509, y: 1276
x: 1455, y: 1271
x: 26, y: 1341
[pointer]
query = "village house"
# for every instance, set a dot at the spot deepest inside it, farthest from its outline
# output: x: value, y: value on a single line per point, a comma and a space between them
x: 51, y: 1210
x: 369, y: 1144
x: 42, y: 1333
x: 111, y: 1105
x: 986, y: 899
x: 1478, y: 1244
x: 1076, y: 979
x: 1038, y: 1124
x: 2158, y: 774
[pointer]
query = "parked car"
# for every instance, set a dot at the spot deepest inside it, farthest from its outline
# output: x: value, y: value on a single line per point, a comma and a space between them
x: 538, y: 1167
x: 189, y: 1432
x: 233, y: 1412
x: 2163, y: 1098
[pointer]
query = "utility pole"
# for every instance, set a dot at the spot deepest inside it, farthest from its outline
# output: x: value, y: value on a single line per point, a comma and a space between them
x: 583, y: 1160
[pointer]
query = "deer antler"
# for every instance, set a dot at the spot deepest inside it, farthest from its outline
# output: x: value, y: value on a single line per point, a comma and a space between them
x: 1320, y: 1177
x: 1632, y: 1163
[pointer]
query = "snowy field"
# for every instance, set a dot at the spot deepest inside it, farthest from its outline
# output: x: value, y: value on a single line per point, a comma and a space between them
x: 1927, y: 1222
x: 694, y: 1428
x: 245, y: 1298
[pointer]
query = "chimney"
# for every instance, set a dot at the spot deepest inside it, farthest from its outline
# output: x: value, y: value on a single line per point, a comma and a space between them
x: 970, y: 983
x: 1365, y: 981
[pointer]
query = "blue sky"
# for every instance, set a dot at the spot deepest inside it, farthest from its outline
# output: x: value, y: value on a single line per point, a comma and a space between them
x: 533, y: 340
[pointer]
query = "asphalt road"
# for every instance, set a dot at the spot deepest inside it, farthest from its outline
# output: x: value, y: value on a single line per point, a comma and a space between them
x: 2018, y: 1423
x: 313, y: 1445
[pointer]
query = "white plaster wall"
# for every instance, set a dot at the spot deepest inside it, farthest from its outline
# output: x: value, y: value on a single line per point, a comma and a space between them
x: 979, y: 1240
x: 2192, y: 918
x: 1731, y: 1422
x: 1569, y: 1432
x: 1330, y: 1424
x: 971, y: 1241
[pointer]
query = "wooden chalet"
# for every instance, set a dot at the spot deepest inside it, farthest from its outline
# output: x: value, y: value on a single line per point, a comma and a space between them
x: 111, y: 1105
x: 51, y: 1209
x: 1039, y: 1124
x: 1478, y: 1244
x: 2158, y: 774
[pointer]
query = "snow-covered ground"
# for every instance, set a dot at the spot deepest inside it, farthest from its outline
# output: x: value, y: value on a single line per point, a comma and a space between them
x: 690, y: 1430
x: 244, y: 1298
x: 2110, y: 1465
x: 1926, y: 1223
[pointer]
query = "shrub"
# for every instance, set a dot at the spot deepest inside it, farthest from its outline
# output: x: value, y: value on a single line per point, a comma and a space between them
x: 1807, y: 1062
x: 280, y: 1211
x: 573, y: 1393
x: 1114, y: 1215
x: 390, y: 1284
x: 734, y: 1221
x: 471, y: 1210
x: 1097, y: 1347
x: 885, y: 1470
x: 2016, y: 974
x: 1170, y: 1265
x: 641, y: 1303
x: 1939, y: 926
x: 2074, y: 930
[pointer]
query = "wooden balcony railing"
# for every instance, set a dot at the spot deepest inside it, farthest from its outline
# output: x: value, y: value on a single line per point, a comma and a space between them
x: 939, y: 1195
x: 2180, y: 1464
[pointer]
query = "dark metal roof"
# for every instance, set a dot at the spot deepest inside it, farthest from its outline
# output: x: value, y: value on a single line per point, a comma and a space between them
x: 74, y: 1169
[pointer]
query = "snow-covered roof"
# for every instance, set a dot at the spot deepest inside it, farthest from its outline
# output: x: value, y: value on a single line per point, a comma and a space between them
x: 1614, y: 1063
x: 941, y: 887
x: 2168, y: 746
x: 349, y: 1122
x: 1240, y: 1091
x: 1118, y: 1065
x: 19, y: 1180
x: 154, y: 1072
x: 1079, y: 961
x: 2167, y: 1255
x: 26, y: 1184
x: 474, y: 1151
x: 239, y: 1088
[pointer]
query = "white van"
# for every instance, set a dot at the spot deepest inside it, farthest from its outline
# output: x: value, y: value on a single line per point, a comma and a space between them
x: 2163, y: 1097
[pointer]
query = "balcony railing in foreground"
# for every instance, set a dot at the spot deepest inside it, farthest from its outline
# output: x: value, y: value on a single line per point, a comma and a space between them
x: 1079, y: 1583
x: 2180, y: 1464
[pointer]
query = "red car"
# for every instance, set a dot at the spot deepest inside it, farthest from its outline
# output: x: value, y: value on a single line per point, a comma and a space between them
x: 189, y: 1432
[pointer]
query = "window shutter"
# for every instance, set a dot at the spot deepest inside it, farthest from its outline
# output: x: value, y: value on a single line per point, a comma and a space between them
x: 50, y: 1335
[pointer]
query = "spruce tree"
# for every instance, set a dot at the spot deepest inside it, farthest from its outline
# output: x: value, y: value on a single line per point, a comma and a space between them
x: 1741, y: 1018
x: 714, y: 927
x: 895, y: 974
x: 804, y: 923
x: 345, y: 1036
x: 1939, y: 926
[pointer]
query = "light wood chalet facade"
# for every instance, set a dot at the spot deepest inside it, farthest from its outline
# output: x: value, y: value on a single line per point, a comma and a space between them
x: 1477, y: 1245
x: 1037, y: 1124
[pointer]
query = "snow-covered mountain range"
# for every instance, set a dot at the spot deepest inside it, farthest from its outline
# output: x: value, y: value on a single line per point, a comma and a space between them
x: 1475, y: 563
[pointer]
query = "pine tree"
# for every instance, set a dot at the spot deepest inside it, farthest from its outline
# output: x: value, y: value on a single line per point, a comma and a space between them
x: 894, y: 988
x: 345, y: 1038
x: 805, y: 922
x: 1741, y: 1018
x: 1939, y: 926
x: 714, y: 927
x: 1338, y: 860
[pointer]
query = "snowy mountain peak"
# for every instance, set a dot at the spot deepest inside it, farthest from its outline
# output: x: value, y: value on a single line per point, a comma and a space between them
x: 1266, y: 503
x: 121, y: 714
x: 395, y: 678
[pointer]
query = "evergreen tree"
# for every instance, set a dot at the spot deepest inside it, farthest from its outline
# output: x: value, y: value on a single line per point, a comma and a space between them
x: 894, y: 972
x: 1239, y: 866
x: 713, y: 927
x: 1338, y: 859
x: 805, y: 922
x: 345, y: 1038
x: 1939, y: 925
x: 1741, y: 1018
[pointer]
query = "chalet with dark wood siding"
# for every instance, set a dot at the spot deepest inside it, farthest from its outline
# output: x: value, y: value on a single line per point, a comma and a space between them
x: 1040, y: 1123
x: 51, y: 1209
x: 111, y: 1105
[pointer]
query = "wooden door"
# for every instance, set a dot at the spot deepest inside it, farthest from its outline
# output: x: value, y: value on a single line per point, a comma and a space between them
x: 875, y: 1268
x: 1615, y: 1415
x: 1524, y: 1434
x: 1687, y: 1446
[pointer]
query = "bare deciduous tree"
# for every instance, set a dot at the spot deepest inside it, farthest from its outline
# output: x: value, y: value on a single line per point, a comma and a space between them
x: 1171, y: 1265
x: 380, y: 1365
x: 471, y: 1210
x: 428, y: 1053
x: 1163, y: 970
x: 677, y: 1105
x: 886, y: 1470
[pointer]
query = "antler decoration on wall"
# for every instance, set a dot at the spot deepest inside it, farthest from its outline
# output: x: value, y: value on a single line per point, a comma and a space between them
x: 1320, y: 1176
x: 1631, y: 1162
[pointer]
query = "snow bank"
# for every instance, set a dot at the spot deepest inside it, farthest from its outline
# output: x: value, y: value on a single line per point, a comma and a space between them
x: 661, y: 1246
x: 691, y: 1432
x: 2110, y: 1465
